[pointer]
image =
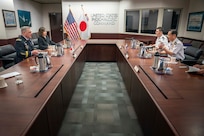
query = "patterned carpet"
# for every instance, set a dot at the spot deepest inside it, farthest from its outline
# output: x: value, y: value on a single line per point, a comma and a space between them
x: 100, y: 105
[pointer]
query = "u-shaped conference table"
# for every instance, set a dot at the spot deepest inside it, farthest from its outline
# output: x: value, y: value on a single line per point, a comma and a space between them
x: 165, y: 104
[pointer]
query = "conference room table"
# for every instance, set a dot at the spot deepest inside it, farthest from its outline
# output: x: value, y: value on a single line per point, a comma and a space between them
x: 165, y: 104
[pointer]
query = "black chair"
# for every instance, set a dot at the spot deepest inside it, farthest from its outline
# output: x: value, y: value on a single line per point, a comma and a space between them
x: 192, y: 54
x: 35, y: 43
x: 196, y: 44
x: 7, y: 55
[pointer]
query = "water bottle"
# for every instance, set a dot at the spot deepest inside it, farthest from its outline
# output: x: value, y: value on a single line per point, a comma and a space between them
x: 133, y: 43
x: 161, y: 65
x: 156, y: 60
x: 141, y: 48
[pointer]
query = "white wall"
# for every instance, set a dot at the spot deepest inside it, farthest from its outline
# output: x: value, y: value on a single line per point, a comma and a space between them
x: 14, y: 5
x: 39, y: 15
x: 195, y: 6
x: 119, y: 8
x: 92, y: 8
x: 35, y: 12
x: 7, y: 5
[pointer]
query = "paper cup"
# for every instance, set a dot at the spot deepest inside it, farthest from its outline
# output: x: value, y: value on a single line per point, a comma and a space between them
x: 3, y: 83
x: 173, y: 59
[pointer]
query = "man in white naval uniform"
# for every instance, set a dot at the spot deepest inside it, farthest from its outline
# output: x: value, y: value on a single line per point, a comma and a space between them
x: 161, y: 38
x: 174, y: 47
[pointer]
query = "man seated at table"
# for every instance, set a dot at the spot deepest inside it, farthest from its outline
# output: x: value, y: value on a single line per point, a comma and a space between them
x: 174, y: 47
x: 23, y: 45
x: 201, y: 67
x: 161, y: 38
x: 43, y: 40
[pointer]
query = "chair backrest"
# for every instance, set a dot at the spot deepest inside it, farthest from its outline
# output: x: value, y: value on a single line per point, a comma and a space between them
x: 186, y: 40
x: 35, y: 43
x: 181, y: 39
x: 193, y: 52
x: 7, y: 55
x: 196, y: 44
x: 6, y: 50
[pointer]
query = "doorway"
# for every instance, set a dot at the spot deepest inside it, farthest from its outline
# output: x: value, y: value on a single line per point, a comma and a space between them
x: 56, y: 26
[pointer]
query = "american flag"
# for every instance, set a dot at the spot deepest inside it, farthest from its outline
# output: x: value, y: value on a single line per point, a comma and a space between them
x: 70, y: 27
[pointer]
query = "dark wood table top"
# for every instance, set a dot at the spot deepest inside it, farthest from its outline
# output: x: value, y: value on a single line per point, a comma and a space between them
x: 21, y: 104
x: 179, y: 97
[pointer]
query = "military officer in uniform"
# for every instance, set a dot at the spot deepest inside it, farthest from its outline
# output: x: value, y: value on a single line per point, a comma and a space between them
x: 174, y: 47
x: 161, y: 38
x: 24, y: 46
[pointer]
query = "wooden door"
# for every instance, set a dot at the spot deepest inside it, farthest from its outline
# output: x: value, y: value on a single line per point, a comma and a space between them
x: 56, y: 26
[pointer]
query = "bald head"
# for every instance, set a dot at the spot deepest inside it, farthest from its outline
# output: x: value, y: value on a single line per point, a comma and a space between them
x: 26, y: 32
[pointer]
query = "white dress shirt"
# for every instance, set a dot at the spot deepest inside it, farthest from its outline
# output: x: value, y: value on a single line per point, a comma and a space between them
x: 177, y: 48
x: 162, y: 39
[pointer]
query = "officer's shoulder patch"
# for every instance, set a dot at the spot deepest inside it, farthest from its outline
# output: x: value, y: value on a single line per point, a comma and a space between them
x: 18, y: 39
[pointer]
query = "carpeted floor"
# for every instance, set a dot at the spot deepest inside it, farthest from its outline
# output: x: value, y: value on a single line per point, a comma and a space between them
x: 100, y: 105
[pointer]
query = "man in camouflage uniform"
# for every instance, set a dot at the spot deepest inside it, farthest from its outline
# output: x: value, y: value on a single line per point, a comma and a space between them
x: 24, y: 46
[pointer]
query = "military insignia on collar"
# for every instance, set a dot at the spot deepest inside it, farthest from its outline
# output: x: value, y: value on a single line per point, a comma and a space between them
x: 175, y: 43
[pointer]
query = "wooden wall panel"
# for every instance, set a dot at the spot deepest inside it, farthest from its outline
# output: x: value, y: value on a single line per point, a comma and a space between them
x: 144, y: 38
x: 55, y: 112
x: 7, y: 41
x: 100, y: 52
x: 149, y: 116
x: 67, y: 88
x: 40, y: 126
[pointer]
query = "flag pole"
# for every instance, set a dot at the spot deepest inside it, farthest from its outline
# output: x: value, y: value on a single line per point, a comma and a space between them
x: 82, y: 8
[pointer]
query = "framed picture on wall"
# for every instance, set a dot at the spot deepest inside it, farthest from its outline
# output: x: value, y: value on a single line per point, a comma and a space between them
x: 195, y: 21
x: 24, y: 18
x: 9, y: 18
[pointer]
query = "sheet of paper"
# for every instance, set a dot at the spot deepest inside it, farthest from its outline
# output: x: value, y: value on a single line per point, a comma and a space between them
x: 11, y: 74
x: 193, y: 69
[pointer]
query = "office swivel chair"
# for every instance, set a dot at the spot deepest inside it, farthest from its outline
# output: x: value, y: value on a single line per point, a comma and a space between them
x: 192, y: 54
x: 7, y: 55
x: 35, y: 43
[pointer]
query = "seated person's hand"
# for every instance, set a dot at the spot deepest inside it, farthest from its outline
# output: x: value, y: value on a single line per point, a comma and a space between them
x: 51, y: 46
x: 197, y: 66
x: 161, y: 46
x: 201, y: 68
x: 35, y: 52
x: 201, y: 71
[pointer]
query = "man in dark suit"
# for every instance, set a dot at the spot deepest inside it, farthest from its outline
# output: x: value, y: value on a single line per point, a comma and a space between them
x: 43, y: 40
x: 23, y: 45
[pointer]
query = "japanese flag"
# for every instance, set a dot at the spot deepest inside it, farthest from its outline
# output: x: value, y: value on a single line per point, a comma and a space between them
x: 84, y: 27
